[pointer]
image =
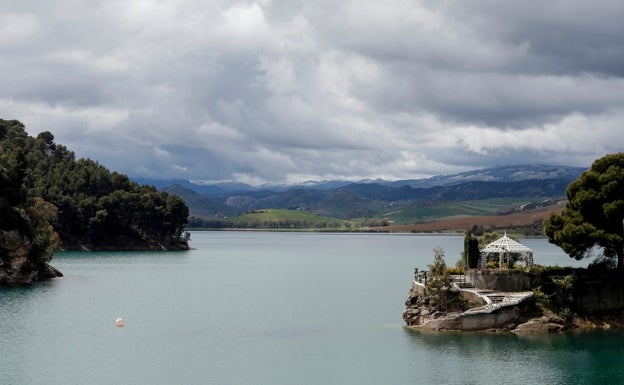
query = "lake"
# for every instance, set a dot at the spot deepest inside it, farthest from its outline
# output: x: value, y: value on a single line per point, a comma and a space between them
x: 272, y: 308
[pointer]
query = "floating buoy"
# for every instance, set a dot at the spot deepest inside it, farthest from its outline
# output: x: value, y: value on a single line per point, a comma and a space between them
x: 119, y: 322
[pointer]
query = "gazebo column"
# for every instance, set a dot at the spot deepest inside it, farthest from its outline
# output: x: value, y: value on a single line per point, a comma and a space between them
x: 529, y: 260
x: 482, y: 261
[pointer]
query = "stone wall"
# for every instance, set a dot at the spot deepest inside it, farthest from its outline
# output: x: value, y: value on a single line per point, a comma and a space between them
x: 499, y: 280
x: 593, y: 292
x: 603, y: 292
x: 503, y: 318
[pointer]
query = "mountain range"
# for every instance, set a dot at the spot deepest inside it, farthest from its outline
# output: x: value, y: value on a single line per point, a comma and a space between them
x: 506, y: 186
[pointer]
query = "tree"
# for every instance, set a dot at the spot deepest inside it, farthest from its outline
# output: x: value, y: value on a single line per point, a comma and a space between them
x: 594, y: 213
x: 439, y: 278
x: 440, y: 285
x: 31, y: 219
x: 45, y: 241
x: 471, y: 250
x: 12, y: 194
x: 438, y: 267
x: 92, y: 205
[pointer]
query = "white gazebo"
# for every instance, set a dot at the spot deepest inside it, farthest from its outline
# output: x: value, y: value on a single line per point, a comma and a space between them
x: 506, y: 249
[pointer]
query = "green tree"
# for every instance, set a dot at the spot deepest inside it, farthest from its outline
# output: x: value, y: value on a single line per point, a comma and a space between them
x: 12, y: 193
x: 594, y: 213
x: 438, y: 268
x: 33, y: 218
x: 45, y: 241
x: 93, y: 205
x: 471, y: 250
x: 439, y: 284
x: 439, y: 278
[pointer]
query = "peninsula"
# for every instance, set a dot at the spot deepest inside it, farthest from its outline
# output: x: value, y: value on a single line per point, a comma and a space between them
x: 502, y: 290
x: 498, y: 288
x: 49, y: 200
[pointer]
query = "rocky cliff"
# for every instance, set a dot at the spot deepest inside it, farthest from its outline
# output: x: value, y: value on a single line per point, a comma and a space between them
x: 16, y: 260
x: 507, y: 312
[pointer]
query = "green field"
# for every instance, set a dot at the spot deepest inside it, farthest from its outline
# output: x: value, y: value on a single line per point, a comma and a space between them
x: 455, y: 209
x: 285, y: 219
x: 396, y: 214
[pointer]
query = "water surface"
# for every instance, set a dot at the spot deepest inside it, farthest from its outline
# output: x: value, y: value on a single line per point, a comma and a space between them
x: 271, y: 308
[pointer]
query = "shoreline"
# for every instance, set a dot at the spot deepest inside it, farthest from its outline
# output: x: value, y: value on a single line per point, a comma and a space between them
x: 593, y: 302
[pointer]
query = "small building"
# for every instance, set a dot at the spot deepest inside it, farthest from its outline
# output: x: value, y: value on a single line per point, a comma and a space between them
x: 506, y: 252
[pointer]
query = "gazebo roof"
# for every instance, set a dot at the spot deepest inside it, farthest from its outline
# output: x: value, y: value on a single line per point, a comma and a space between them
x: 506, y: 245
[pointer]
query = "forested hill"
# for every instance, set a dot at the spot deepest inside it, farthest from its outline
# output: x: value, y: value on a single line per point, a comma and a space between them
x: 95, y: 208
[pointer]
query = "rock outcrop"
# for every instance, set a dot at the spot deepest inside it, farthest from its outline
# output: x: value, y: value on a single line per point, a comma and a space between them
x: 16, y: 264
x: 486, y: 311
x: 543, y: 324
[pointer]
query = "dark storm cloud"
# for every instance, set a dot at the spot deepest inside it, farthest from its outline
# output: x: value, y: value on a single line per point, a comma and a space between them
x: 560, y: 37
x: 275, y: 90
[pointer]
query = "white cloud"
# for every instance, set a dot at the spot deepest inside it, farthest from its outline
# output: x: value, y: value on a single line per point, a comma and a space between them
x: 18, y: 28
x: 286, y: 90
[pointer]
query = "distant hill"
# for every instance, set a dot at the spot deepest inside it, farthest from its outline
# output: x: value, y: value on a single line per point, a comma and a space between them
x: 201, y: 205
x: 164, y: 183
x: 516, y: 173
x: 371, y: 200
x: 406, y: 201
x: 493, y: 174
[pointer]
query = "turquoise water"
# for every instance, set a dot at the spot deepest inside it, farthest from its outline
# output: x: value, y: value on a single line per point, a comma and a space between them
x: 271, y: 308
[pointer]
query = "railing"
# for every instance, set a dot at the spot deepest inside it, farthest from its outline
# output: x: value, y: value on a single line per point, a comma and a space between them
x: 421, y: 277
x: 458, y: 279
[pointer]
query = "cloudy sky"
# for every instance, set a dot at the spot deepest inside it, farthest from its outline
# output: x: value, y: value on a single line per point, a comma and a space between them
x: 289, y: 90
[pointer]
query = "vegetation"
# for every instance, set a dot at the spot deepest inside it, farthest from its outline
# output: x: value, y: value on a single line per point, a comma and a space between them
x: 43, y: 184
x: 555, y: 289
x: 404, y: 213
x: 274, y: 219
x: 471, y: 250
x: 30, y: 218
x: 473, y: 246
x: 400, y: 204
x: 439, y: 285
x: 594, y: 213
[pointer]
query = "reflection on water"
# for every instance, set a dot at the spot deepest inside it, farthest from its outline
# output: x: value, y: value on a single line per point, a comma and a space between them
x: 483, y: 358
x: 269, y: 308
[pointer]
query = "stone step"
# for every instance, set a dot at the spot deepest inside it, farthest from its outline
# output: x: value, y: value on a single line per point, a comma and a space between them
x: 496, y: 298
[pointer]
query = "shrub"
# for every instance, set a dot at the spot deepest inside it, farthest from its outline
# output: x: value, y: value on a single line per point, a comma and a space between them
x: 439, y: 285
x: 455, y: 270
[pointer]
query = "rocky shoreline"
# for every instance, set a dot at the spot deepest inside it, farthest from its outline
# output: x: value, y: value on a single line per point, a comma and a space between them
x: 516, y: 312
x: 138, y: 241
x: 16, y: 255
x: 520, y: 315
x: 16, y: 267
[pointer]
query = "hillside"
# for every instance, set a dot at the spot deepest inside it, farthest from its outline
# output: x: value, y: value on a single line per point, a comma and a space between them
x: 528, y: 222
x: 201, y: 205
x: 369, y: 202
x: 284, y: 219
x: 485, y: 194
x: 89, y: 206
x: 517, y: 173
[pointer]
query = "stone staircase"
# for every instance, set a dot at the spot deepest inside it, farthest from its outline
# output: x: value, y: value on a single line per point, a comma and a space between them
x: 496, y: 298
x: 460, y: 282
